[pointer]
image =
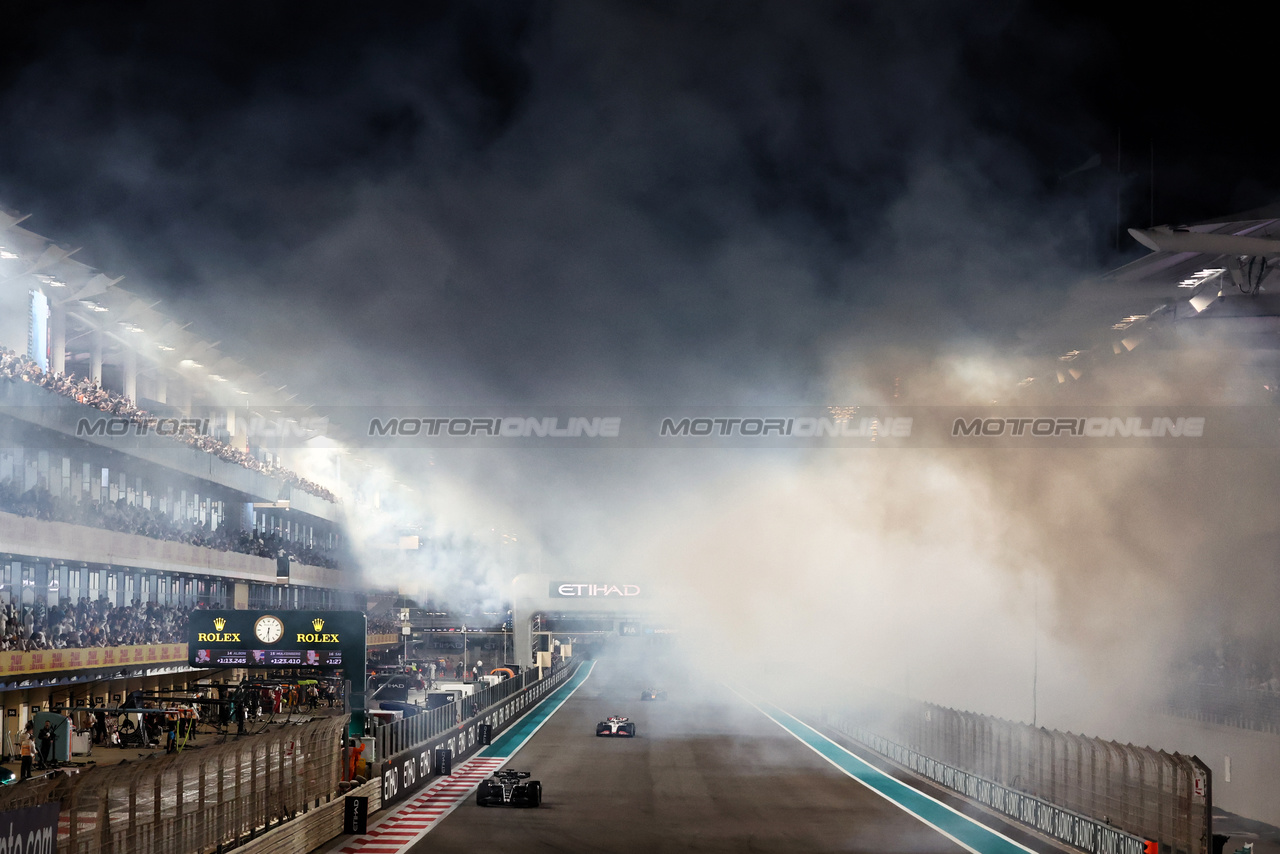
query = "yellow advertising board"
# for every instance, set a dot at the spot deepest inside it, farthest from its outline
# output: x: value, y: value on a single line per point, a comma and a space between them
x: 13, y: 663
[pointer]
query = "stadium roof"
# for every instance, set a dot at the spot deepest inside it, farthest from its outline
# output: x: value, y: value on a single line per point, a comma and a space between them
x: 126, y: 322
x: 1207, y: 285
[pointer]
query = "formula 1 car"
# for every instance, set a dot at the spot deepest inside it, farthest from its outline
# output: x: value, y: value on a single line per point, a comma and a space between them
x: 505, y: 788
x: 653, y: 694
x: 616, y: 725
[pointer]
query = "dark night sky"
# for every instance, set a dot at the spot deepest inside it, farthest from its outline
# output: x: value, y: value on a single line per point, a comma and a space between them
x: 611, y: 202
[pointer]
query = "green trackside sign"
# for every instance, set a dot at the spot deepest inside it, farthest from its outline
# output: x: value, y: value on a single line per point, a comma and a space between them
x: 331, y: 640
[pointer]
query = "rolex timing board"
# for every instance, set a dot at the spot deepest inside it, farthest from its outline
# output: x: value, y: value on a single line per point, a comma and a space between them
x: 283, y: 638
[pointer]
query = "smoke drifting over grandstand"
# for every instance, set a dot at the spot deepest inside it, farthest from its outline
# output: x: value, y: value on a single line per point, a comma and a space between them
x: 666, y: 205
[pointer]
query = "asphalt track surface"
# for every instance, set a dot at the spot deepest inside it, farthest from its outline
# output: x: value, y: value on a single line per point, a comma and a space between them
x: 706, y: 772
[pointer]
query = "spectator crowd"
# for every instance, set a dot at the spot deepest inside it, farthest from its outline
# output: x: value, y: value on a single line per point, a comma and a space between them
x: 90, y: 624
x: 1236, y: 665
x: 16, y: 367
x: 127, y: 518
x: 388, y: 624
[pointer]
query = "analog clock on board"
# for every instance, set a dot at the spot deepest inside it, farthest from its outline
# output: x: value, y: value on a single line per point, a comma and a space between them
x: 269, y: 629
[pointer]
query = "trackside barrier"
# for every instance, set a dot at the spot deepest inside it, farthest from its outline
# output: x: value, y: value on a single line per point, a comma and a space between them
x: 307, y: 833
x: 1145, y: 793
x: 398, y: 736
x: 408, y: 770
x: 1062, y: 824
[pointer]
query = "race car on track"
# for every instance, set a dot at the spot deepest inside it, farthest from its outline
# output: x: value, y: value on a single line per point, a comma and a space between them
x: 509, y: 788
x: 653, y: 694
x: 616, y: 725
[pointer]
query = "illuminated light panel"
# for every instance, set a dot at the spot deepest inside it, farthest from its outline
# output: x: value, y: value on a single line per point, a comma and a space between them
x: 190, y: 363
x: 7, y: 254
x: 217, y: 379
x: 93, y: 306
x: 130, y: 327
x: 1201, y: 277
x: 1125, y: 323
x: 1068, y: 356
x: 1202, y: 301
x: 165, y: 347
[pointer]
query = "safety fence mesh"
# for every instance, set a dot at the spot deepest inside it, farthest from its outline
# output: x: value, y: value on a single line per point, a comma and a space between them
x: 200, y: 800
x: 1245, y: 708
x: 396, y: 736
x: 1166, y: 797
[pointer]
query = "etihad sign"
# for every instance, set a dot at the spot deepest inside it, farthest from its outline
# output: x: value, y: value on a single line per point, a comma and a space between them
x: 568, y: 589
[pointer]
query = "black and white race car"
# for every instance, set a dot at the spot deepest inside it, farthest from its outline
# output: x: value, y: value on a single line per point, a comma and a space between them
x: 616, y: 725
x: 509, y: 788
x: 653, y: 694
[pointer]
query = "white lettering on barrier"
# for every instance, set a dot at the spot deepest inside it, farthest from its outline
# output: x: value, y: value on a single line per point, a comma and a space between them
x: 390, y: 784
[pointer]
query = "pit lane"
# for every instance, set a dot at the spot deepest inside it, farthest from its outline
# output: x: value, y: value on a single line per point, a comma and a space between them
x: 706, y: 772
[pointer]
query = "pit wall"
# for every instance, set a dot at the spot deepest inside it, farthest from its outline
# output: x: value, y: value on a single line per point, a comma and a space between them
x: 315, y: 828
x: 406, y: 772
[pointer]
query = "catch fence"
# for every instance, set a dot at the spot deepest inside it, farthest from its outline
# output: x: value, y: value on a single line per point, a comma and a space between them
x: 396, y: 736
x: 1245, y: 708
x: 207, y: 799
x: 408, y: 733
x: 1145, y: 792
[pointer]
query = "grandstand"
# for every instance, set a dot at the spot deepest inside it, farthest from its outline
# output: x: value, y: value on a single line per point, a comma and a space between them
x: 1201, y: 308
x: 134, y: 488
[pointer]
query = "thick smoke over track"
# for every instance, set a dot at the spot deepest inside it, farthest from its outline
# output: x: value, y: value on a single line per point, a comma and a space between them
x: 662, y: 205
x: 983, y: 578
